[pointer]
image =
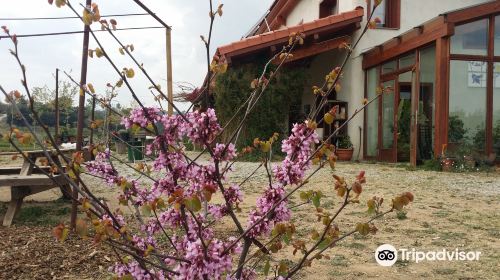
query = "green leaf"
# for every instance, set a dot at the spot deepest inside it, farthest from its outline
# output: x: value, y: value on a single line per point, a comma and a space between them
x: 146, y: 210
x: 371, y: 206
x: 316, y: 200
x: 325, y: 243
x: 314, y: 234
x: 363, y: 228
x: 267, y: 267
x: 127, y: 277
x: 193, y: 204
x: 130, y: 73
x: 303, y: 196
x: 283, y: 268
x: 287, y: 237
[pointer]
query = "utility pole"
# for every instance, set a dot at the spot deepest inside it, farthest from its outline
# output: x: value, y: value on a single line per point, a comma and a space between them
x: 56, y: 105
x: 81, y: 110
x: 170, y: 94
x: 170, y: 90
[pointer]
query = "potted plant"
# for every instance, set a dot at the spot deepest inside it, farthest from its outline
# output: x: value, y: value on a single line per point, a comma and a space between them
x: 344, y: 149
x: 447, y: 163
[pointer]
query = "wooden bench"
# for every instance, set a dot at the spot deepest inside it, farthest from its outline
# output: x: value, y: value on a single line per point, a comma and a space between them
x: 17, y: 169
x: 22, y: 186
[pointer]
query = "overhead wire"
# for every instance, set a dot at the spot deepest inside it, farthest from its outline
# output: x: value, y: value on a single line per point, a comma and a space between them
x: 71, y: 17
x: 77, y: 32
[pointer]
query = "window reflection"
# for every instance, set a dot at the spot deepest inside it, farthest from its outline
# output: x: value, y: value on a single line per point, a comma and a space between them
x: 467, y: 107
x: 372, y: 114
x: 471, y: 38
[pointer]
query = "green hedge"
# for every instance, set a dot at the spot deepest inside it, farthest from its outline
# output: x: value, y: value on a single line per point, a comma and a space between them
x: 279, y: 105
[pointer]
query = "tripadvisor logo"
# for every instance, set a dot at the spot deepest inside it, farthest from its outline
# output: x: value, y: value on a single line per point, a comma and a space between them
x: 387, y: 255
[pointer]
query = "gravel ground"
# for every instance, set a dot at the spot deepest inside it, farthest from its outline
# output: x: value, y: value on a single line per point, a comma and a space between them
x: 451, y: 210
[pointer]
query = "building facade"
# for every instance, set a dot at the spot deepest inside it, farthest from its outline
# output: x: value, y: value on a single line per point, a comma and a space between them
x: 440, y: 58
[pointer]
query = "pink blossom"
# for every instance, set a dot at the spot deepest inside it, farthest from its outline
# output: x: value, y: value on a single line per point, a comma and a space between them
x: 281, y: 213
x: 298, y: 150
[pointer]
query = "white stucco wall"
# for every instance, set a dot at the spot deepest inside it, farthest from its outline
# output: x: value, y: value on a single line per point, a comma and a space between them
x: 307, y: 10
x: 413, y: 13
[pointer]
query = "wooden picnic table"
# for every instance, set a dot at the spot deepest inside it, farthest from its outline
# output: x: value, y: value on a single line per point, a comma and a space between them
x: 27, y: 180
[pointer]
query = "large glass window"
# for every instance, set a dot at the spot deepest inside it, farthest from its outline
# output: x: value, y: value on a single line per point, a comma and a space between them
x: 467, y: 107
x: 471, y: 38
x: 497, y: 35
x: 388, y: 116
x: 387, y: 13
x: 496, y: 110
x: 389, y: 67
x: 379, y: 15
x: 426, y: 111
x: 407, y: 61
x: 404, y: 115
x: 371, y: 113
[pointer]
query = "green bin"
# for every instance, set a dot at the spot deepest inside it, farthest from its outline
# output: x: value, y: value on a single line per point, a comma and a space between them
x: 135, y: 151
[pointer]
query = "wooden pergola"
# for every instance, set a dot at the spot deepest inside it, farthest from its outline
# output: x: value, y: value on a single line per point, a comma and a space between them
x: 438, y: 32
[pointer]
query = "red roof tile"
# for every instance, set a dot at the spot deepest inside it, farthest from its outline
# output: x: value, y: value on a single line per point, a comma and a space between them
x: 269, y: 38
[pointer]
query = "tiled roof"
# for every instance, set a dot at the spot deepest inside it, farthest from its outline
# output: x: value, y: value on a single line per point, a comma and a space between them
x: 274, y: 37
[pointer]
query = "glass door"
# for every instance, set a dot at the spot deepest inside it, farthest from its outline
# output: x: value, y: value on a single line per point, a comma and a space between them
x: 405, y: 117
x: 387, y: 127
x: 397, y: 125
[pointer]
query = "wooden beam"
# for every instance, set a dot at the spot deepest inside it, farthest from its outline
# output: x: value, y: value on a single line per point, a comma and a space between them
x: 29, y: 180
x: 283, y: 13
x: 319, y: 48
x: 490, y: 89
x: 279, y: 39
x: 407, y: 44
x: 441, y: 94
x: 473, y: 12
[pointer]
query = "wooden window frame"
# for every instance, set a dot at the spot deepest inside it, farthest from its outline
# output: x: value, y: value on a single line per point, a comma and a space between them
x: 326, y: 8
x: 392, y: 14
x: 490, y: 59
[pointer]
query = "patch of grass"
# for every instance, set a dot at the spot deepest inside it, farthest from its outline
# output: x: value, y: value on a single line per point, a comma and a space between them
x: 38, y: 214
x: 439, y: 243
x: 401, y: 165
x: 400, y: 263
x: 441, y: 213
x: 355, y: 245
x: 327, y: 204
x: 431, y: 165
x: 444, y: 271
x: 339, y: 260
x: 429, y: 231
x: 494, y: 233
x: 401, y: 215
x: 452, y: 235
x: 411, y: 168
x: 477, y: 227
x: 360, y: 237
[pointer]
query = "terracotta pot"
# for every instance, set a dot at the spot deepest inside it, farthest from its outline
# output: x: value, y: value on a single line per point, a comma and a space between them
x: 447, y: 164
x: 344, y: 154
x: 469, y: 162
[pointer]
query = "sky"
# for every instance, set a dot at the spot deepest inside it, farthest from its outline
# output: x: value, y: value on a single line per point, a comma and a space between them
x: 189, y: 19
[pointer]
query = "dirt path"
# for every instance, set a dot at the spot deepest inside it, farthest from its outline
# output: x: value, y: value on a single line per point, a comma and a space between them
x: 451, y: 210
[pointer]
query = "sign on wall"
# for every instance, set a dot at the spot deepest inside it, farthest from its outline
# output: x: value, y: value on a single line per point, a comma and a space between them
x: 477, y: 74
